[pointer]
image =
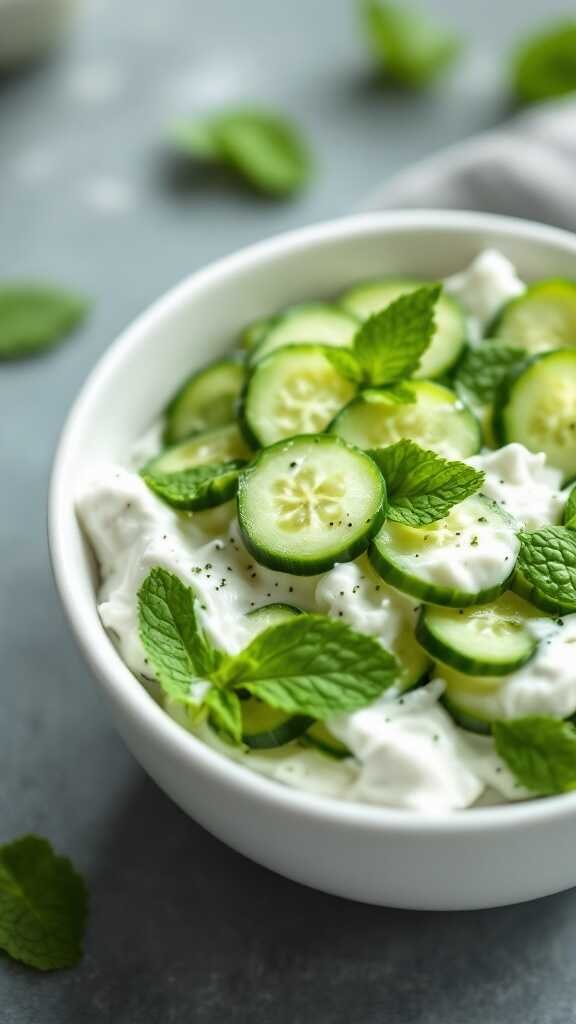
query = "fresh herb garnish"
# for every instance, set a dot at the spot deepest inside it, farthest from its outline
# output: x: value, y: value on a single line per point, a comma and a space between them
x: 547, y: 567
x: 263, y: 148
x: 482, y: 371
x: 422, y: 486
x: 540, y: 752
x: 388, y: 346
x: 409, y: 49
x: 192, y: 488
x: 36, y: 317
x: 544, y: 66
x: 43, y: 905
x: 310, y: 665
x: 570, y: 510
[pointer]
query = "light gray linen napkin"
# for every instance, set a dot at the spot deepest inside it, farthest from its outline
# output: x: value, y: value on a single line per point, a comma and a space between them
x: 527, y: 168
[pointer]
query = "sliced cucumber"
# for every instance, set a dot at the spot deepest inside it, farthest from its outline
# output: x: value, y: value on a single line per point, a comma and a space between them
x: 436, y: 420
x: 221, y: 453
x: 541, y: 319
x: 320, y: 738
x: 486, y: 640
x: 449, y: 338
x: 269, y: 615
x: 254, y: 332
x: 207, y: 399
x: 307, y: 503
x: 537, y: 408
x: 264, y: 727
x: 315, y: 323
x: 569, y: 516
x: 413, y: 660
x: 295, y: 390
x: 464, y: 559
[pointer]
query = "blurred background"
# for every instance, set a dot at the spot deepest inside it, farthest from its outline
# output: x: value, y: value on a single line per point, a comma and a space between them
x: 92, y: 196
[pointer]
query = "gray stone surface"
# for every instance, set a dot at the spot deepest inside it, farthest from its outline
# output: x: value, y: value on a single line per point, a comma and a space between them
x: 182, y: 929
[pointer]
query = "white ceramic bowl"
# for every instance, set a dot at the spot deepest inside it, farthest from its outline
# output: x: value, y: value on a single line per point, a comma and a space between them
x: 477, y: 858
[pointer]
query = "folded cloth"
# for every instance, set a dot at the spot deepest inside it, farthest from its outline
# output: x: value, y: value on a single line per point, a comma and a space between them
x: 525, y: 169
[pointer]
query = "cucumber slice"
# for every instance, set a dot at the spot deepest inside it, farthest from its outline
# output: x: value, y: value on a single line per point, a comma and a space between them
x: 415, y: 665
x: 208, y: 399
x: 436, y: 420
x: 541, y: 319
x: 307, y: 503
x: 569, y: 516
x: 269, y: 615
x: 223, y: 451
x: 293, y: 391
x: 254, y: 332
x: 320, y: 738
x: 457, y: 705
x: 449, y: 338
x: 464, y: 559
x: 538, y: 408
x: 315, y: 323
x: 264, y: 727
x: 486, y: 640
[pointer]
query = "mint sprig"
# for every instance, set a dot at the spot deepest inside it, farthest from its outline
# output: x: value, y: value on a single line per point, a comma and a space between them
x: 409, y: 49
x: 177, y: 647
x: 540, y: 752
x: 422, y: 486
x: 263, y: 148
x: 192, y: 489
x: 311, y: 665
x: 36, y: 317
x: 482, y: 371
x: 546, y: 568
x: 43, y: 905
x: 544, y: 65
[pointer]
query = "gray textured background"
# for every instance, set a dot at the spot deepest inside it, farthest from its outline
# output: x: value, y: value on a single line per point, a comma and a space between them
x: 182, y: 929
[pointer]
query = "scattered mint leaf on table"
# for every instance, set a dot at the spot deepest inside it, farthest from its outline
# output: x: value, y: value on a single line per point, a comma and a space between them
x: 226, y: 713
x: 422, y: 486
x: 547, y: 567
x: 540, y: 752
x: 263, y: 148
x: 482, y: 371
x: 389, y: 345
x: 408, y: 48
x: 570, y: 510
x: 174, y: 641
x: 312, y: 665
x: 43, y: 905
x: 190, y: 488
x: 36, y: 317
x: 544, y: 66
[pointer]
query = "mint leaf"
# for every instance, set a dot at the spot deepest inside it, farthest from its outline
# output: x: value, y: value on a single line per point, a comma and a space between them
x: 176, y: 646
x: 408, y: 48
x: 312, y: 665
x: 544, y: 66
x: 196, y: 488
x: 35, y: 317
x: 540, y: 752
x: 43, y: 905
x: 263, y: 148
x: 389, y: 345
x: 423, y: 487
x: 345, y: 362
x: 483, y: 370
x: 570, y: 510
x: 547, y: 567
x: 225, y: 713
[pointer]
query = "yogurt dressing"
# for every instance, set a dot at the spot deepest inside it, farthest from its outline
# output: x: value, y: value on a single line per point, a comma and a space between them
x: 407, y: 750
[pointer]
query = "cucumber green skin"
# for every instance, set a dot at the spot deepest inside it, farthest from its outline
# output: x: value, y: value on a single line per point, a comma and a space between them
x: 464, y: 720
x: 254, y: 332
x: 286, y: 732
x: 258, y: 350
x: 428, y: 592
x: 519, y: 584
x: 440, y: 651
x: 494, y: 327
x: 215, y: 492
x: 307, y: 566
x: 335, y: 750
x: 172, y: 435
x: 505, y: 393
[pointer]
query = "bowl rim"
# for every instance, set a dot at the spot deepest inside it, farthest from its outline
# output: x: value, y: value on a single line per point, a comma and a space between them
x: 114, y: 675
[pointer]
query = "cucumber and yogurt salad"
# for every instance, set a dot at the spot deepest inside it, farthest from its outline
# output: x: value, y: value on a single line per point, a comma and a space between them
x: 395, y: 464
